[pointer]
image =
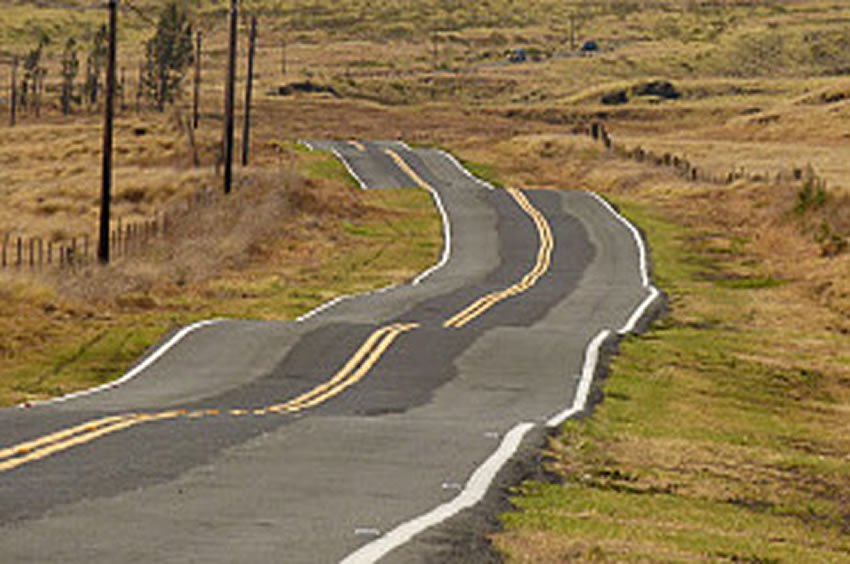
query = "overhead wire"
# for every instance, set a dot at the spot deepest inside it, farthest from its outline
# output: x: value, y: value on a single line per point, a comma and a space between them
x: 129, y: 6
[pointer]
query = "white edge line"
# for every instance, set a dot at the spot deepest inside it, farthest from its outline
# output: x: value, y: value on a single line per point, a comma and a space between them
x: 447, y: 234
x: 641, y: 309
x: 447, y: 239
x: 307, y: 144
x: 349, y: 169
x: 474, y: 491
x: 644, y: 267
x: 135, y: 371
x: 463, y: 169
x: 329, y: 304
x: 591, y: 359
x: 591, y: 355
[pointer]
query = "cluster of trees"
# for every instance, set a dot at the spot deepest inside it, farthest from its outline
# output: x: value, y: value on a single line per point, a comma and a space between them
x: 168, y: 55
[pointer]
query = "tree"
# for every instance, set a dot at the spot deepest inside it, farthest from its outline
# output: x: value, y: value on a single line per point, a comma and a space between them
x: 70, y: 70
x: 94, y: 64
x: 33, y: 71
x: 168, y: 55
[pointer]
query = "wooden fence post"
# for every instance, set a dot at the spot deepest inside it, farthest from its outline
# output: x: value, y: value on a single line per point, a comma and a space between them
x: 50, y: 252
x: 20, y: 257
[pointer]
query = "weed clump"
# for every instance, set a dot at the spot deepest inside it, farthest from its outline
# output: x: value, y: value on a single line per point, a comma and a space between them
x: 811, y: 196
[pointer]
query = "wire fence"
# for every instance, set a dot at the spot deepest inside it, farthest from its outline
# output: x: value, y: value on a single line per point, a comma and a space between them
x: 28, y: 93
x: 688, y: 170
x: 128, y: 238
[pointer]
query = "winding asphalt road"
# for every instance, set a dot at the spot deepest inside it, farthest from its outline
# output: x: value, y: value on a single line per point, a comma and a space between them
x: 370, y: 428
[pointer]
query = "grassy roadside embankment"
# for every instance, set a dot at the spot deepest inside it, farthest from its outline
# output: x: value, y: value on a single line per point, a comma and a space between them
x: 720, y: 435
x: 328, y: 238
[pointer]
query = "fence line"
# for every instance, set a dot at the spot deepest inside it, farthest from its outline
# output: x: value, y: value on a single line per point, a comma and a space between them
x: 20, y: 252
x: 683, y: 167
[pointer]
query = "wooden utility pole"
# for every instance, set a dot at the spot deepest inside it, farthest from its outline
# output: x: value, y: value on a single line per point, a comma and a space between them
x: 283, y: 57
x: 196, y: 96
x: 230, y: 87
x: 140, y: 85
x: 249, y: 89
x: 123, y: 89
x: 38, y: 79
x: 572, y: 32
x: 13, y: 94
x: 108, y: 120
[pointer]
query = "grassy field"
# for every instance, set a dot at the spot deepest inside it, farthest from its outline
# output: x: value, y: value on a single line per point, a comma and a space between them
x: 720, y: 436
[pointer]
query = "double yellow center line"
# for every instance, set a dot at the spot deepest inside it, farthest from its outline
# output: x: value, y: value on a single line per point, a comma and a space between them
x: 367, y: 356
x: 54, y: 443
x: 544, y: 253
x: 541, y: 266
x: 369, y: 353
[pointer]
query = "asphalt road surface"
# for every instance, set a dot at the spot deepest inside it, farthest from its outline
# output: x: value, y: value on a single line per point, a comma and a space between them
x: 382, y: 426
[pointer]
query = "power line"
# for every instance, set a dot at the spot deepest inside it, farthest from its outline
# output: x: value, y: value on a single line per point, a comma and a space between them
x: 129, y: 6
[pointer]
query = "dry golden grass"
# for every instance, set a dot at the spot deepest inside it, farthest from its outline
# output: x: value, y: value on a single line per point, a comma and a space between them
x: 733, y: 447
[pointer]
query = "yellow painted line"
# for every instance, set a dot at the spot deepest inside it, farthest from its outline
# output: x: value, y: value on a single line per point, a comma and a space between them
x: 29, y: 446
x: 408, y: 170
x: 343, y: 373
x: 79, y: 439
x: 544, y: 254
x: 361, y: 372
x: 357, y: 145
x: 541, y: 266
x: 352, y: 372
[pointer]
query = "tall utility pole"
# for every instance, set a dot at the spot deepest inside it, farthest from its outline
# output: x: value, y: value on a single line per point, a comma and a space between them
x: 283, y: 57
x: 13, y: 103
x: 572, y: 32
x: 249, y: 88
x: 196, y: 98
x: 108, y: 119
x: 123, y: 89
x: 140, y: 84
x: 230, y: 87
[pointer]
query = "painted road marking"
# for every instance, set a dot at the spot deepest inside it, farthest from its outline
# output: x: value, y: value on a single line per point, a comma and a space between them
x: 369, y: 353
x: 408, y: 170
x: 358, y: 145
x: 138, y: 369
x: 98, y: 429
x: 29, y: 446
x: 472, y: 493
x: 541, y: 266
x: 354, y: 370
